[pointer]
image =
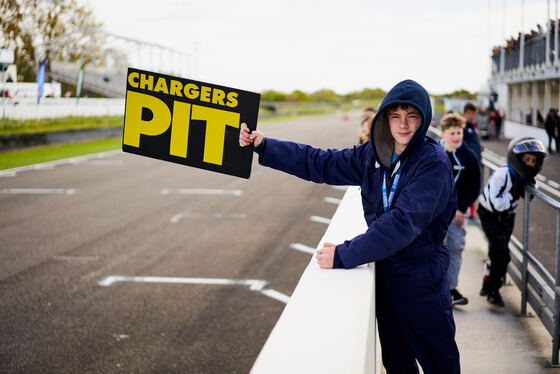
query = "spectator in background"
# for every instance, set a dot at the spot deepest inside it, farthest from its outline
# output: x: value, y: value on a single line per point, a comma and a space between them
x: 466, y: 176
x: 365, y: 123
x: 496, y: 121
x: 470, y: 136
x: 551, y: 126
x: 540, y: 119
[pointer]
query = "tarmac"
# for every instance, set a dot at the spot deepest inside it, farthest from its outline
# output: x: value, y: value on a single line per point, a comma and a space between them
x: 492, y: 339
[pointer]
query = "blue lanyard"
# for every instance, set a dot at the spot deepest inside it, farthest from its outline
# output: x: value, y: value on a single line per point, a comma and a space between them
x: 459, y: 167
x: 387, y: 201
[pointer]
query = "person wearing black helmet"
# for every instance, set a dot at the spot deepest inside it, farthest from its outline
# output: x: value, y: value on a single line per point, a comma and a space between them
x: 497, y: 204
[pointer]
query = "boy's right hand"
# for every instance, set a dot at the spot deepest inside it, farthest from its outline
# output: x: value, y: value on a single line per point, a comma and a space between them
x: 518, y: 188
x: 246, y: 137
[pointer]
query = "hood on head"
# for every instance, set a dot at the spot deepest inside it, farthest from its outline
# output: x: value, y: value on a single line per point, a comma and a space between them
x: 407, y: 92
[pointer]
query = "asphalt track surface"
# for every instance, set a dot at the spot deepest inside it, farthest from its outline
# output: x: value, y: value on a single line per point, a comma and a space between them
x: 65, y: 231
x: 127, y: 215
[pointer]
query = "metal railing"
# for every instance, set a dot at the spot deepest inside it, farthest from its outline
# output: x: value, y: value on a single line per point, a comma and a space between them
x: 538, y: 287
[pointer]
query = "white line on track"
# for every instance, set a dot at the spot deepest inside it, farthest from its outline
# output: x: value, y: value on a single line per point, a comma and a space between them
x: 38, y: 191
x: 546, y: 187
x: 253, y: 284
x: 324, y: 220
x: 276, y: 295
x: 541, y: 178
x: 554, y: 184
x: 103, y: 162
x: 201, y: 191
x: 176, y: 218
x: 76, y: 258
x: 302, y: 248
x: 332, y: 200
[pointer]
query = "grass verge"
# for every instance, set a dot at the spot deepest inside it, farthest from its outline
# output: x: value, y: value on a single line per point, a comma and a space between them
x: 35, y: 155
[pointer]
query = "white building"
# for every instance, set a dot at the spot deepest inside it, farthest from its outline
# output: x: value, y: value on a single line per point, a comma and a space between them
x: 526, y: 76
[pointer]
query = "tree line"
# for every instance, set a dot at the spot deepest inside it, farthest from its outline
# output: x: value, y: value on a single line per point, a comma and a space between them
x: 58, y: 29
x: 330, y: 96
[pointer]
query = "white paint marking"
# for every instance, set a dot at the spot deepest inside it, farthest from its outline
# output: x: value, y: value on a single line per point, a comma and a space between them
x: 541, y: 178
x: 254, y: 284
x: 554, y: 184
x: 38, y: 191
x: 43, y: 167
x: 76, y: 258
x: 120, y: 337
x: 302, y: 248
x: 342, y: 188
x: 7, y: 173
x: 549, y: 189
x: 326, y: 221
x: 194, y: 191
x: 176, y: 218
x: 276, y: 295
x: 103, y: 162
x: 332, y: 200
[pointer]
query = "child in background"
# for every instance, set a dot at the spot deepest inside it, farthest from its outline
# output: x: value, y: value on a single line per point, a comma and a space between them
x: 466, y: 174
x: 365, y: 123
x: 497, y: 204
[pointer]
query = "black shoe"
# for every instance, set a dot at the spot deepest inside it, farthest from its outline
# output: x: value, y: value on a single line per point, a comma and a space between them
x: 457, y: 298
x: 495, y: 298
x: 483, y: 292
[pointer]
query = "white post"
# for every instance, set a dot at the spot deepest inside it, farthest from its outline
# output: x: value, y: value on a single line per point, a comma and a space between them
x: 522, y: 52
x: 556, y: 32
x: 522, y: 102
x: 534, y: 103
x: 547, y: 49
x: 502, y: 60
x: 546, y: 96
x: 516, y: 108
x: 558, y: 88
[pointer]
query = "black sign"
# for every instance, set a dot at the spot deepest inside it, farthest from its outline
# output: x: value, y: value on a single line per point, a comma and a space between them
x: 188, y: 122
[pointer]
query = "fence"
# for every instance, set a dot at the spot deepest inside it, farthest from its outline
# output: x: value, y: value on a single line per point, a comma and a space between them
x: 538, y: 287
x: 27, y: 108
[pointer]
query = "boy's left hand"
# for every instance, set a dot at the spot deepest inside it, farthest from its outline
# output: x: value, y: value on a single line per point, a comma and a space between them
x: 459, y: 218
x: 325, y: 256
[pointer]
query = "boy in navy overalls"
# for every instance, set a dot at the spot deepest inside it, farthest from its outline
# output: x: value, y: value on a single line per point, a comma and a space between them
x: 409, y: 199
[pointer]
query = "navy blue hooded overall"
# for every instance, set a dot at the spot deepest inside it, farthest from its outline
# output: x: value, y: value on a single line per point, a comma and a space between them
x: 414, y: 313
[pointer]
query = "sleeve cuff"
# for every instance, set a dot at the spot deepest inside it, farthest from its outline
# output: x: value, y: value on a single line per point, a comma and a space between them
x: 261, y: 148
x: 337, y: 261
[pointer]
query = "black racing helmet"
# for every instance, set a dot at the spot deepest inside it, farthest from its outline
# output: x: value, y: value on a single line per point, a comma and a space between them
x: 526, y: 144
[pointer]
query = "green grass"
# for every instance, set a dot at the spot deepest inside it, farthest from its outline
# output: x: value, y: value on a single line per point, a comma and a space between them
x: 12, y: 126
x: 28, y: 156
x: 12, y: 159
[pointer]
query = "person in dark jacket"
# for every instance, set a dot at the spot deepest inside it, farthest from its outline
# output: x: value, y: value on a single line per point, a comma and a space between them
x: 470, y: 136
x: 409, y: 199
x: 466, y: 172
x: 497, y: 205
x: 550, y: 125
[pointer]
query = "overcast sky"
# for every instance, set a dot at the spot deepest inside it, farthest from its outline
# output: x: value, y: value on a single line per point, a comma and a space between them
x: 343, y: 45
